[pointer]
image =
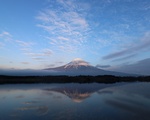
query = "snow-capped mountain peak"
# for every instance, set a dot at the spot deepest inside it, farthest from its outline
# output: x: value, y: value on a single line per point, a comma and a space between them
x: 77, y: 63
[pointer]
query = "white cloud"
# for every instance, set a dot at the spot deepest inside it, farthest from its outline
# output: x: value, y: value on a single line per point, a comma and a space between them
x: 67, y: 25
x: 33, y: 54
x: 63, y: 38
x: 24, y: 44
x: 41, y: 55
x: 47, y: 52
x: 27, y: 49
x: 1, y: 44
x: 6, y: 36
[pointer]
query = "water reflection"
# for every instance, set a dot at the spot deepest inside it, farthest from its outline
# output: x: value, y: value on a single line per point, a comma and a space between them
x: 75, y: 101
x: 75, y: 95
x: 132, y: 98
x: 78, y: 92
x: 20, y: 96
x: 41, y: 110
x: 31, y: 102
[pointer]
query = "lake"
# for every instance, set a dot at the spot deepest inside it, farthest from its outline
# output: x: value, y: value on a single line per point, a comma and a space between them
x: 72, y: 101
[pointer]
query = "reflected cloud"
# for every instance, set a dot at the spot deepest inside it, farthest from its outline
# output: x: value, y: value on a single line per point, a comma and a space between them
x: 132, y: 98
x: 122, y: 105
x: 131, y: 89
x: 31, y: 102
x: 27, y: 108
x: 40, y: 110
x: 57, y: 97
x: 20, y: 96
x: 3, y: 97
x: 15, y: 115
x: 48, y: 93
x: 105, y: 92
x: 129, y: 100
x: 129, y: 106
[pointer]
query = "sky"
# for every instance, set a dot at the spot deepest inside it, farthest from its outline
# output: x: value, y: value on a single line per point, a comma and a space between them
x: 109, y: 34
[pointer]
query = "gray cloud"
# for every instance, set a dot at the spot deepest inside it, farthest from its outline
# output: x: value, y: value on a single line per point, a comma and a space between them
x: 37, y: 58
x: 124, y: 58
x: 55, y: 64
x: 25, y: 63
x: 140, y: 67
x: 144, y: 44
x: 51, y: 66
x: 103, y: 66
x: 60, y: 62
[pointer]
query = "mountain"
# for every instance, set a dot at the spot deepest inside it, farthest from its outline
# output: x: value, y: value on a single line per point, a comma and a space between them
x: 81, y: 67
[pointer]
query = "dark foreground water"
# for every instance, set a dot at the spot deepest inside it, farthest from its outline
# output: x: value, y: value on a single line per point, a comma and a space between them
x: 120, y: 101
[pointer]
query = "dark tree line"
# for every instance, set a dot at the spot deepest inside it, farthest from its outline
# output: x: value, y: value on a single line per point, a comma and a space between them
x: 70, y: 79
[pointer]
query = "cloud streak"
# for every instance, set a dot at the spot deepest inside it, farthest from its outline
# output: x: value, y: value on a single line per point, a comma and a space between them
x: 6, y: 36
x: 44, y: 52
x: 26, y: 47
x: 103, y: 66
x: 125, y: 58
x: 144, y: 44
x: 25, y: 63
x: 24, y: 44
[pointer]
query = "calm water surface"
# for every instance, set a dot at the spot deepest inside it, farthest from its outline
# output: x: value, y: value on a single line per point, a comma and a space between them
x: 120, y: 101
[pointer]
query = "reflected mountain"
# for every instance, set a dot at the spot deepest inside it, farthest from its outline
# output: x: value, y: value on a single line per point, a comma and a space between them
x: 76, y: 95
x: 79, y: 92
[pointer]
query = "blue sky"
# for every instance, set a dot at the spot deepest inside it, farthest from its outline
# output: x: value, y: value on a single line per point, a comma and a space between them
x: 111, y: 34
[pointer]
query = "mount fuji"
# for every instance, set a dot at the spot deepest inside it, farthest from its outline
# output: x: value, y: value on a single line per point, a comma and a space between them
x: 80, y: 67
